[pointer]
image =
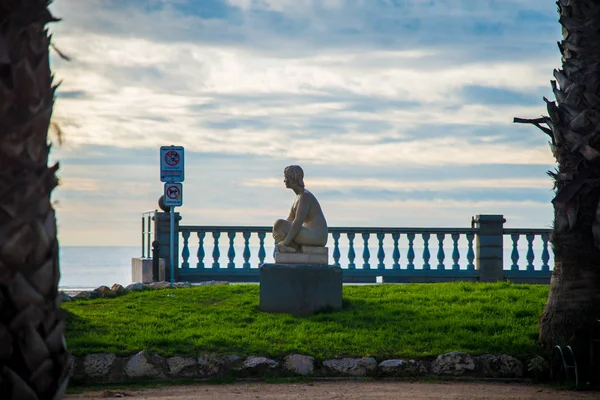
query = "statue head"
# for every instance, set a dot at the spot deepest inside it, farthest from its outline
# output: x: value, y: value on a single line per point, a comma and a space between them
x: 294, y: 174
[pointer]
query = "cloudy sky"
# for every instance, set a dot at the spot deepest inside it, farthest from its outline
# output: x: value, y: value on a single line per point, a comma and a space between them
x: 399, y: 111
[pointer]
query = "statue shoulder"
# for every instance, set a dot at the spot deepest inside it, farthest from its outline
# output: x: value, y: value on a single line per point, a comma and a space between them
x: 308, y: 195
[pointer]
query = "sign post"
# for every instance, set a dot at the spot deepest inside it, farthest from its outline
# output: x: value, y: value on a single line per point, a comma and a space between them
x: 172, y: 172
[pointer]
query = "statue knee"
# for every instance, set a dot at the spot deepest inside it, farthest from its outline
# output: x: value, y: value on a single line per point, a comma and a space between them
x: 280, y: 224
x: 280, y: 229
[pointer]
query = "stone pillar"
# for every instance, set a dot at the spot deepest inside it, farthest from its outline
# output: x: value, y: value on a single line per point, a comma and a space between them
x: 162, y: 226
x: 489, y: 258
x: 300, y: 289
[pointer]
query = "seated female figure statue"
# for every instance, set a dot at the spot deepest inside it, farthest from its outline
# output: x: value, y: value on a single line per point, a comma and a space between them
x: 306, y: 225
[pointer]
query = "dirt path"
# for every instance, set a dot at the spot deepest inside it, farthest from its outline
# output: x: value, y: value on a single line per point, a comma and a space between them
x: 350, y: 390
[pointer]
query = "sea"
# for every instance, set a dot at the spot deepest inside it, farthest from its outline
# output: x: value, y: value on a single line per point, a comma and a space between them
x: 85, y: 268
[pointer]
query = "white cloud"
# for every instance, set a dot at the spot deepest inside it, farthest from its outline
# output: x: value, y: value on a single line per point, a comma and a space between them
x: 317, y: 95
x: 79, y: 184
x: 405, y: 185
x: 125, y: 109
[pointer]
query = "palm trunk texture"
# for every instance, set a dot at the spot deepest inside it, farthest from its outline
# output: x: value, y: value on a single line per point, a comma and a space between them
x: 34, y: 361
x: 573, y: 125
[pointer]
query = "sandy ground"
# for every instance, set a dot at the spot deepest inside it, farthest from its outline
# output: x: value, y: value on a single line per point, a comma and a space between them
x: 348, y: 390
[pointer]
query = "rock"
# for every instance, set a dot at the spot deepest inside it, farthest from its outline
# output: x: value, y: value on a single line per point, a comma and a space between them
x: 538, y: 367
x: 352, y: 366
x: 182, y: 367
x: 142, y: 365
x: 135, y: 286
x: 503, y: 366
x: 211, y: 283
x: 183, y: 284
x: 72, y: 365
x: 84, y: 295
x: 64, y: 297
x: 211, y: 365
x: 104, y: 291
x: 299, y: 364
x: 402, y: 368
x: 118, y: 289
x: 234, y: 362
x: 258, y: 365
x: 159, y: 285
x: 98, y: 365
x: 455, y: 363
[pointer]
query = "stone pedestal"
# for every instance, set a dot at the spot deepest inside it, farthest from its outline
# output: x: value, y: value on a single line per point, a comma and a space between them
x: 141, y: 270
x: 308, y: 255
x: 300, y: 289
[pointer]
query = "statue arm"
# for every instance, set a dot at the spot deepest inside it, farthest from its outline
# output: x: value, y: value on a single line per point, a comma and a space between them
x: 301, y: 213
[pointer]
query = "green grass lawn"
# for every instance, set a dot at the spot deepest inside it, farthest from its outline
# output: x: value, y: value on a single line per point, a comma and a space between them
x: 413, y: 320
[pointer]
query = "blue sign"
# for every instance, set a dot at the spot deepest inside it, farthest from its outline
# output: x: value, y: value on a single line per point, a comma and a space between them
x: 171, y: 164
x: 173, y: 196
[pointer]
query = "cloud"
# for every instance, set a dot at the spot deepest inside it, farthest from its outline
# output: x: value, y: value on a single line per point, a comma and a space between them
x: 374, y: 99
x: 127, y: 108
x: 438, y: 185
x: 80, y: 184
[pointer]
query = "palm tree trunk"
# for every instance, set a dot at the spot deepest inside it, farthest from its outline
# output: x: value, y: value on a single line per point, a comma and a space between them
x: 573, y: 126
x: 33, y: 357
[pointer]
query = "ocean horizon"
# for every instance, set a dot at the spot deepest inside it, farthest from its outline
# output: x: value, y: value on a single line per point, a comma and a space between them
x: 87, y: 267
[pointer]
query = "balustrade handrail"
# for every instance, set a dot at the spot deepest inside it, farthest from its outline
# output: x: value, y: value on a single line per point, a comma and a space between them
x: 525, y: 231
x: 221, y: 228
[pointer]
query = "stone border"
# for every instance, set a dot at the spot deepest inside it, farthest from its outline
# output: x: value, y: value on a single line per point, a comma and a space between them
x: 104, y: 368
x: 118, y: 290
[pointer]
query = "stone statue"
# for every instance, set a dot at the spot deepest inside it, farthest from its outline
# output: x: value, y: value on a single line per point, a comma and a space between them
x: 306, y: 225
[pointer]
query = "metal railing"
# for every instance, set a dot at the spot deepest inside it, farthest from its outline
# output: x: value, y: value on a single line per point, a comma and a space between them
x: 148, y: 232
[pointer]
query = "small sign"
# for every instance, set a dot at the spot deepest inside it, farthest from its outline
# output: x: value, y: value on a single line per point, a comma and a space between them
x: 171, y: 164
x: 173, y: 196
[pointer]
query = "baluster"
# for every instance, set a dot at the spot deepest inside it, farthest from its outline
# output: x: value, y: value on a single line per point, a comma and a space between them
x: 261, y: 248
x: 274, y: 249
x: 216, y: 253
x: 246, y: 253
x: 380, y: 252
x: 366, y: 253
x: 514, y: 255
x: 440, y: 254
x: 530, y: 255
x: 200, y: 254
x: 455, y: 252
x: 470, y: 252
x: 185, y: 254
x: 351, y: 254
x: 426, y: 255
x: 545, y: 254
x: 396, y: 252
x: 410, y: 255
x: 144, y: 255
x: 336, y: 248
x: 231, y: 251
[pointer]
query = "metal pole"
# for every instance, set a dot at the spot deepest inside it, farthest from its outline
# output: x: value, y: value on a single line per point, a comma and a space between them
x: 143, y: 236
x: 172, y: 246
x: 155, y: 261
x: 148, y: 234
